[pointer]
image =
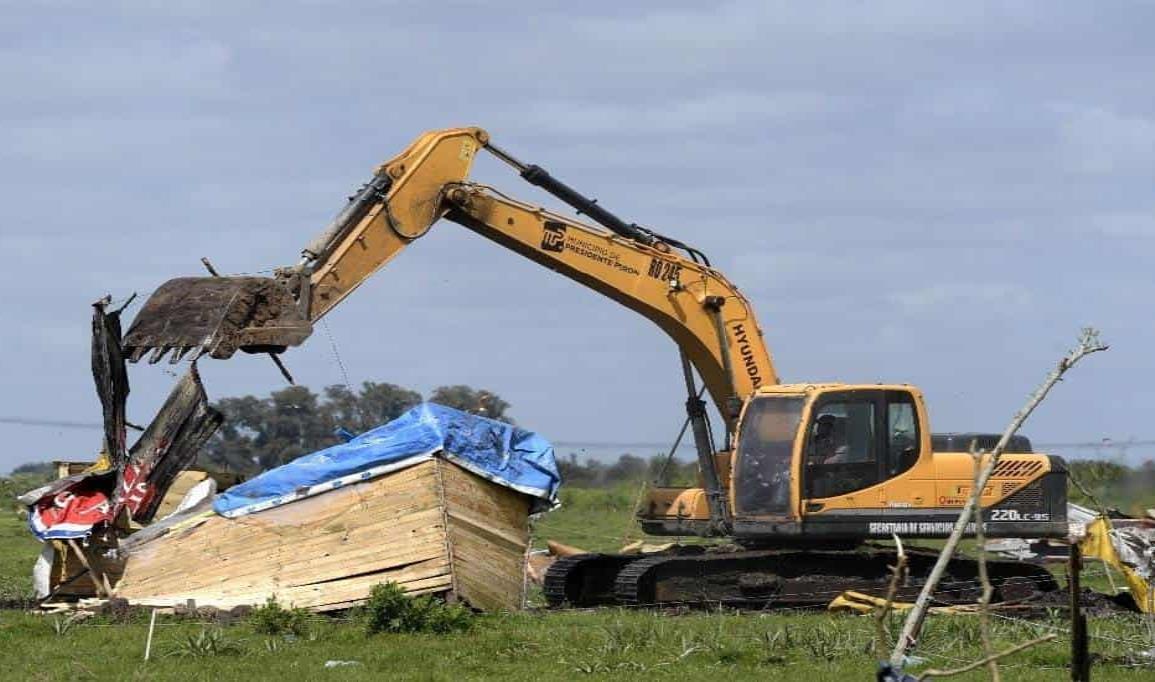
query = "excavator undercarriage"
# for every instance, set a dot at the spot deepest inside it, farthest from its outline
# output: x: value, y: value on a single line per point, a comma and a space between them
x: 775, y: 578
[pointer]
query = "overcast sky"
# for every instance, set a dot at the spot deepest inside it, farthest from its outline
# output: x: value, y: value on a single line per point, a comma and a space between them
x: 908, y: 193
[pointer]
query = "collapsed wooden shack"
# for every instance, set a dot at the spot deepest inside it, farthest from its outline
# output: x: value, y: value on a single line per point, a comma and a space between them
x: 437, y: 501
x: 432, y: 527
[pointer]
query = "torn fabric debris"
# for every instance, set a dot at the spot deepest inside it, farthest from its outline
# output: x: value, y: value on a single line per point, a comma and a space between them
x: 1129, y: 550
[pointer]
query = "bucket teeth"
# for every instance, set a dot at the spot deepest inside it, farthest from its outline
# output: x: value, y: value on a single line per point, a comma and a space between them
x: 157, y: 354
x: 178, y: 354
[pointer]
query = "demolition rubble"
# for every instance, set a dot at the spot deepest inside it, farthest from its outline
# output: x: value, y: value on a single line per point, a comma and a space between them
x: 437, y: 501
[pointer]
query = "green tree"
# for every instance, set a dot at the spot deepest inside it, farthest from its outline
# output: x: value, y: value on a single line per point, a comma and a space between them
x: 240, y: 441
x: 472, y: 400
x: 36, y: 469
x: 261, y: 433
x: 374, y: 405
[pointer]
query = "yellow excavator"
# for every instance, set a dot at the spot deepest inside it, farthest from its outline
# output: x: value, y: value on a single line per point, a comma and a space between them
x: 807, y: 473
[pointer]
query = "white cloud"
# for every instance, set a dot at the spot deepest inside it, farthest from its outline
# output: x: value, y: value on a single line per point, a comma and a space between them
x: 850, y: 166
x: 759, y: 20
x: 953, y: 297
x: 1101, y: 141
x: 95, y: 70
x: 1125, y: 224
x: 690, y: 113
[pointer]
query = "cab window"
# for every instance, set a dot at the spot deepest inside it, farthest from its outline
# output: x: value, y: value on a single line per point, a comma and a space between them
x: 901, y: 431
x: 859, y: 438
x: 842, y: 449
x: 765, y: 449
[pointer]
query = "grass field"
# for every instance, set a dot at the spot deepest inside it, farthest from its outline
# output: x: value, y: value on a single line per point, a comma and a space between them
x: 528, y: 646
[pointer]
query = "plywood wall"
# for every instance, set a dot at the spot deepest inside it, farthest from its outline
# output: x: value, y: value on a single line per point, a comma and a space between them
x: 322, y: 553
x: 432, y: 527
x: 488, y: 537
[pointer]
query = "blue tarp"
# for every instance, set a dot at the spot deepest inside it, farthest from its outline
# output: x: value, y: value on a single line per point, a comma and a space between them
x: 500, y: 452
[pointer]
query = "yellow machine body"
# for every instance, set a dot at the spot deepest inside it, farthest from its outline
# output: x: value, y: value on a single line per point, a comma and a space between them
x: 888, y: 481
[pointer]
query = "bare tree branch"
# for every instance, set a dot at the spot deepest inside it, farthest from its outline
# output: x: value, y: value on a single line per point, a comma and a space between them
x: 988, y: 590
x: 897, y: 576
x: 1088, y: 343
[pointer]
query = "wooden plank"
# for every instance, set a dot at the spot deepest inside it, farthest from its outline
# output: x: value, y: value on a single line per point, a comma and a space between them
x: 303, y: 572
x: 427, y: 574
x: 257, y: 575
x: 489, y: 533
x: 310, y: 539
x: 349, y: 593
x: 465, y: 490
x: 351, y: 587
x: 506, y: 537
x: 316, y: 552
x: 238, y: 555
x: 233, y: 554
x: 347, y: 512
x: 473, y: 562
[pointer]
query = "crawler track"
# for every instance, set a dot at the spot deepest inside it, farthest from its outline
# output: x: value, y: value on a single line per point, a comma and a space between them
x: 775, y: 578
x: 584, y: 579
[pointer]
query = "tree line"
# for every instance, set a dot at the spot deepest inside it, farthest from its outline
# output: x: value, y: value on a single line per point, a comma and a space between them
x: 262, y: 433
x: 628, y: 468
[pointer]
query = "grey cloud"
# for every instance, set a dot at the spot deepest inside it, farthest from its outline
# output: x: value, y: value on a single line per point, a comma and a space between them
x: 1102, y: 141
x: 907, y: 191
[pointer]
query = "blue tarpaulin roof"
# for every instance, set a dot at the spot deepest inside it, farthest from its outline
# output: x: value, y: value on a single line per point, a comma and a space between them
x: 503, y: 453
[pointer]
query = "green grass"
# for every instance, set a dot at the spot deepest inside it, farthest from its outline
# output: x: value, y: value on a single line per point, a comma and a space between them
x: 596, y: 519
x: 629, y: 645
x: 529, y: 646
x: 18, y: 550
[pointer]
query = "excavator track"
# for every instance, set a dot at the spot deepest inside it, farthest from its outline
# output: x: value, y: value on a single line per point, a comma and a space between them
x: 792, y: 578
x: 584, y: 580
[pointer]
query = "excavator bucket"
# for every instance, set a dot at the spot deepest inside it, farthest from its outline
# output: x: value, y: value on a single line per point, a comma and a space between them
x: 216, y: 316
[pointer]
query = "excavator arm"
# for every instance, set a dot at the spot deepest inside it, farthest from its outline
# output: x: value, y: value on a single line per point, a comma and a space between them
x: 709, y: 319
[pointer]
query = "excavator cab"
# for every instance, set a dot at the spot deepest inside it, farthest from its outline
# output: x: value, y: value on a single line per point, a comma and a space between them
x: 805, y: 449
